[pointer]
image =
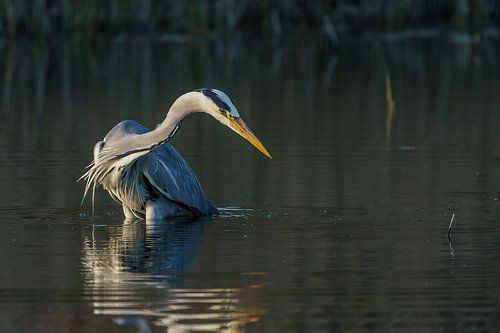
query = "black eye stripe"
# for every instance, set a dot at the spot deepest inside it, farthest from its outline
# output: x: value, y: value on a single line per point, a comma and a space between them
x: 215, y: 98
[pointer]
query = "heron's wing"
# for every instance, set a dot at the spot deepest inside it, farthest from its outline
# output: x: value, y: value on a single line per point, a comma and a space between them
x: 169, y: 174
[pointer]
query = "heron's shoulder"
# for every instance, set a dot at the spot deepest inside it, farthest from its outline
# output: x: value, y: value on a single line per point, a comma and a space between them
x: 124, y: 128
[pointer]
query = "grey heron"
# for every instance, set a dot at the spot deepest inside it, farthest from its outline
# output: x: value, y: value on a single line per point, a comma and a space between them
x: 144, y: 173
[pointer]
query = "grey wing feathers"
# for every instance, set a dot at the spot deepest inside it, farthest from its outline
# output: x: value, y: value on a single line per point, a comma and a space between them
x: 168, y: 173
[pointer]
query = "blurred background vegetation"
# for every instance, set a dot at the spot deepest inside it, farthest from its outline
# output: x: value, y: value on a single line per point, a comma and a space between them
x: 336, y: 18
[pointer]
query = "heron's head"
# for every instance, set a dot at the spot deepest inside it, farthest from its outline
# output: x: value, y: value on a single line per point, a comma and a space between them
x: 217, y: 104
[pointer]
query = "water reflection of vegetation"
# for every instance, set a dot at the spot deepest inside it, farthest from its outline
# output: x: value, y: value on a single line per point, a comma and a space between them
x: 138, y: 272
x: 62, y: 98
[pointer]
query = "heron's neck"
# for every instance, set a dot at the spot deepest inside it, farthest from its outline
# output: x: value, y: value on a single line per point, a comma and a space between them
x: 140, y: 144
x: 165, y: 131
x: 188, y: 103
x: 175, y: 115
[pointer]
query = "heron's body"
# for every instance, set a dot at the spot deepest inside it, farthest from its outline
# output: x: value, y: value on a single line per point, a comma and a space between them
x: 163, y: 184
x: 145, y: 174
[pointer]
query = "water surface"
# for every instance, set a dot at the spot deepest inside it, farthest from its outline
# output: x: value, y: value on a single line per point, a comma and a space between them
x: 343, y: 230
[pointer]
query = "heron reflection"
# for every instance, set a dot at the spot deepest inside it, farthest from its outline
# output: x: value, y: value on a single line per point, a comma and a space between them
x: 138, y: 272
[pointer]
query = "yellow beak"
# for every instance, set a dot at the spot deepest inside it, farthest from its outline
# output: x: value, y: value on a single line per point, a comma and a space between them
x: 239, y: 126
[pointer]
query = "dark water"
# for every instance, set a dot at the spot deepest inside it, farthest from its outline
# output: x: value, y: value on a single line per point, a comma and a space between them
x: 342, y: 231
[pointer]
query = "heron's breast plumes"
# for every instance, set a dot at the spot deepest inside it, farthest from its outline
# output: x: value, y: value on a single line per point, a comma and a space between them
x: 124, y: 182
x: 127, y: 187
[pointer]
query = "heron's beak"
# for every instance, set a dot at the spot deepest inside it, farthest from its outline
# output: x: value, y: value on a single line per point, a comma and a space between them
x: 239, y: 126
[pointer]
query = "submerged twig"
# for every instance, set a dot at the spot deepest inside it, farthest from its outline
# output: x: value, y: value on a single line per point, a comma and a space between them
x: 452, y: 252
x: 448, y: 234
x: 449, y: 227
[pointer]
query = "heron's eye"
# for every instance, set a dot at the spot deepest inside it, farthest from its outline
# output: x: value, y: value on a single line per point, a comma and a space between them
x: 225, y: 113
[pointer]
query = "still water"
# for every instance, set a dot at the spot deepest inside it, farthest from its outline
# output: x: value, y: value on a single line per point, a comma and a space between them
x: 342, y: 231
